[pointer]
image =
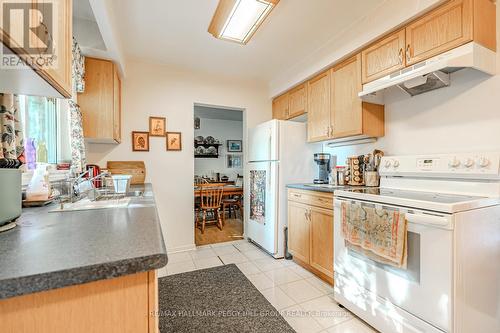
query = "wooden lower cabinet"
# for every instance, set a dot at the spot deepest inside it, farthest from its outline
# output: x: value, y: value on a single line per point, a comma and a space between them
x: 321, y: 234
x: 310, y: 231
x: 123, y: 304
x: 298, y: 231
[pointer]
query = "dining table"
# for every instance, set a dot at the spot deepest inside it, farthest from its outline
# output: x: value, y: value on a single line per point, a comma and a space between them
x: 229, y: 190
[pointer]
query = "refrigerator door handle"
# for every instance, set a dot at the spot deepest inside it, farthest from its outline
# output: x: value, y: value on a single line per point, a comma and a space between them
x: 269, y: 176
x: 270, y: 144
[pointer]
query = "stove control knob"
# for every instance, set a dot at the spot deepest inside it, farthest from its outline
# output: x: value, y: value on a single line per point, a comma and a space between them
x: 388, y: 164
x: 483, y: 162
x: 469, y: 162
x: 396, y: 163
x: 454, y: 163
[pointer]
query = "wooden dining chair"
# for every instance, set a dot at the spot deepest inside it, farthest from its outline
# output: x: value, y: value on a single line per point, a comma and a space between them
x: 234, y: 203
x: 210, y: 201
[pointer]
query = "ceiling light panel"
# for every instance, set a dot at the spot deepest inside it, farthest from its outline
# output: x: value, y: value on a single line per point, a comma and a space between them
x: 237, y: 20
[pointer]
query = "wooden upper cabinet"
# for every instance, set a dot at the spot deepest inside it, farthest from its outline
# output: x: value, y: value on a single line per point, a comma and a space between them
x: 298, y: 231
x: 60, y: 76
x: 321, y: 238
x: 297, y: 101
x: 280, y: 107
x: 449, y: 26
x: 318, y: 107
x: 101, y: 101
x: 349, y: 115
x: 346, y: 115
x: 441, y: 30
x: 383, y: 57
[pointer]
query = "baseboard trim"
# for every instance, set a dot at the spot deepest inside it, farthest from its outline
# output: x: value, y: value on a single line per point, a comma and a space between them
x: 183, y: 248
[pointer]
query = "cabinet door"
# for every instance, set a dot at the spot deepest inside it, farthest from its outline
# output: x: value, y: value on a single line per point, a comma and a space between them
x: 318, y: 107
x: 297, y: 101
x: 298, y: 231
x: 383, y: 57
x: 117, y: 106
x: 441, y: 30
x: 97, y: 102
x: 321, y: 230
x: 60, y: 75
x: 347, y: 114
x: 280, y: 107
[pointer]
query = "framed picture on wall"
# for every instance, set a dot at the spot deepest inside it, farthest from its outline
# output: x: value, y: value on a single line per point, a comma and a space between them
x: 157, y: 126
x: 174, y: 141
x: 234, y: 146
x: 234, y: 161
x: 140, y: 141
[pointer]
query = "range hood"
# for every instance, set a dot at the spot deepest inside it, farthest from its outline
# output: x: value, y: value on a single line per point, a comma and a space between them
x: 433, y: 73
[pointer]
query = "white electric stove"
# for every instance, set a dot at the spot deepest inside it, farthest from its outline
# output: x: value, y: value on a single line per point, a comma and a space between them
x: 451, y: 284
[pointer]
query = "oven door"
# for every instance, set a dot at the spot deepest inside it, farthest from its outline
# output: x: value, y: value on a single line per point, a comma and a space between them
x: 423, y: 290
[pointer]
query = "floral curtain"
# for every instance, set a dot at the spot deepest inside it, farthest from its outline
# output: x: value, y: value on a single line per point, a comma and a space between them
x: 11, y: 134
x: 78, y: 158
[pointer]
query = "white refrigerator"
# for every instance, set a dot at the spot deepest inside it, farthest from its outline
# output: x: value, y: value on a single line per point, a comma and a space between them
x: 278, y: 154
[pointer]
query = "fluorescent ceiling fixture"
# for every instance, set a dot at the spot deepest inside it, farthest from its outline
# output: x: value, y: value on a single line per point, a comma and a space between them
x: 237, y: 20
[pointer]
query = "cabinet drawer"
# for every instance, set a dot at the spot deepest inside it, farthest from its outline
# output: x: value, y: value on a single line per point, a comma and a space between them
x: 313, y: 198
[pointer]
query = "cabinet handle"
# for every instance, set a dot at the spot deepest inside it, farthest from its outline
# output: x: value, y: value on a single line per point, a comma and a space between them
x: 309, y: 214
x: 400, y: 56
x: 297, y: 195
x: 408, y: 53
x: 306, y: 216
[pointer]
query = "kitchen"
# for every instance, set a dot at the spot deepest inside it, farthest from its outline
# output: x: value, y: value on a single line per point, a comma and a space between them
x: 459, y: 119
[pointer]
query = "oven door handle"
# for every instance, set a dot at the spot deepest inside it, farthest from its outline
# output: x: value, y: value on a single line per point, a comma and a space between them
x: 429, y: 220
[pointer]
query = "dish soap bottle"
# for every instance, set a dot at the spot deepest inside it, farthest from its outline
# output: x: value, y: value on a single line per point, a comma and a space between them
x: 42, y: 152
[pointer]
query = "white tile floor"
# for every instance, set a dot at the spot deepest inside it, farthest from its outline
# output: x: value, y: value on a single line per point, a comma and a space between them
x: 306, y: 301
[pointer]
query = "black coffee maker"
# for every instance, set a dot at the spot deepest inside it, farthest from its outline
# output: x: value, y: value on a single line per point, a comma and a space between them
x: 323, y: 161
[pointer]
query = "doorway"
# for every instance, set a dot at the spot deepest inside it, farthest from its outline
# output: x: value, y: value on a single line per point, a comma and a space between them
x: 218, y: 174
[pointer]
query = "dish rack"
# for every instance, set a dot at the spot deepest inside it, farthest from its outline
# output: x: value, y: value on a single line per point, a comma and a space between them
x: 101, y: 187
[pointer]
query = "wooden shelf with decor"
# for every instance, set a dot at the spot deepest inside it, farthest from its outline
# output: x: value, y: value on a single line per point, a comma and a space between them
x: 207, y: 145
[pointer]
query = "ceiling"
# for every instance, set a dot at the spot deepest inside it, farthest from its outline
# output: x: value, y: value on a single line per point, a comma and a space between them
x: 216, y: 113
x: 175, y: 33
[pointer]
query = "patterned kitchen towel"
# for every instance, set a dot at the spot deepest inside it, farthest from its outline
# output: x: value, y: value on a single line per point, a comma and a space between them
x: 379, y: 234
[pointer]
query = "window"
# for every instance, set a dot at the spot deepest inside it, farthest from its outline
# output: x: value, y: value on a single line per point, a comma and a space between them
x: 46, y: 128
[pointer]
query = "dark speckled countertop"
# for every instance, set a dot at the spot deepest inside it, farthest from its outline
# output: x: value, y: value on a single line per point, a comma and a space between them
x: 317, y: 187
x: 53, y: 250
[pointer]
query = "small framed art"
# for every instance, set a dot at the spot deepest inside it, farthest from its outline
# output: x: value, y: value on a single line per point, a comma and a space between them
x: 157, y: 126
x: 234, y: 146
x: 140, y: 141
x: 234, y: 161
x: 174, y: 141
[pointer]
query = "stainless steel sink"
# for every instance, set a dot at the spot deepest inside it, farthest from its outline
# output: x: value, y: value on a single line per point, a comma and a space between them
x: 87, y: 204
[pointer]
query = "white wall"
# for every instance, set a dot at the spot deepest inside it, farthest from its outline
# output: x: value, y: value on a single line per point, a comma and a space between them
x: 156, y: 90
x: 221, y: 130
